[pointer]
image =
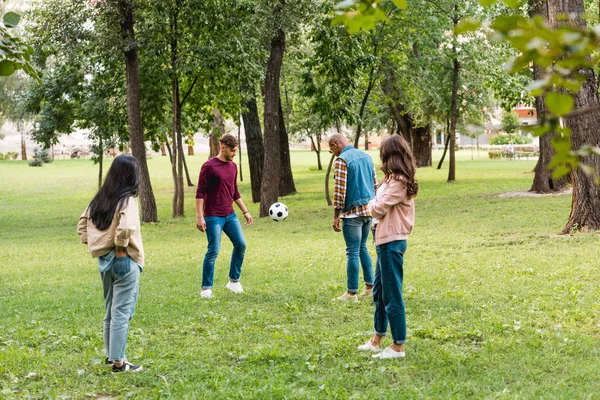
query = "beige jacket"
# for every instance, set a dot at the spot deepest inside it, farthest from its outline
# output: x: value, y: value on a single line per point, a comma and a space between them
x: 123, y: 232
x: 396, y: 213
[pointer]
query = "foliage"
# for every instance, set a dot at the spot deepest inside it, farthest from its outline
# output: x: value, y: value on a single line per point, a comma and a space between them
x: 506, y: 138
x: 14, y: 53
x: 491, y: 314
x: 511, y: 122
x: 562, y: 53
x: 40, y: 157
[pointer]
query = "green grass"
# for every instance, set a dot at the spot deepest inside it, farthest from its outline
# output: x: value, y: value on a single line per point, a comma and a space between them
x: 498, y: 304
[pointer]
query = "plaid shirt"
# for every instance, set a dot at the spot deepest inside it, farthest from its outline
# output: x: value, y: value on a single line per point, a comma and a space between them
x: 340, y: 177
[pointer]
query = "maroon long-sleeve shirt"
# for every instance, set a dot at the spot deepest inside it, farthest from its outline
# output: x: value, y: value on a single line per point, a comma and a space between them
x: 217, y: 185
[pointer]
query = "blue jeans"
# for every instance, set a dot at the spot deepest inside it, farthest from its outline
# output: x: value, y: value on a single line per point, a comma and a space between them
x: 387, y: 291
x: 356, y: 232
x: 233, y: 229
x: 121, y: 284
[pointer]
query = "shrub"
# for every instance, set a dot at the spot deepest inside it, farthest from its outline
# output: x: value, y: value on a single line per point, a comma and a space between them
x: 1, y: 156
x: 40, y: 157
x: 11, y: 155
x: 504, y: 139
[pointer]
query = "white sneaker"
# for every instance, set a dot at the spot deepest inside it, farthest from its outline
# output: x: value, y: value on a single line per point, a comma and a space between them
x: 388, y: 352
x: 235, y: 287
x: 347, y: 297
x: 367, y: 292
x: 206, y: 294
x: 368, y: 346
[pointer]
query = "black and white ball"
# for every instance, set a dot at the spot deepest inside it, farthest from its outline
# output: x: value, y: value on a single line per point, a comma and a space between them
x: 278, y: 211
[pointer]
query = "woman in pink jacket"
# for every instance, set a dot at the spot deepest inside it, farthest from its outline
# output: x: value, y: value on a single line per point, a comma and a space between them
x: 394, y: 208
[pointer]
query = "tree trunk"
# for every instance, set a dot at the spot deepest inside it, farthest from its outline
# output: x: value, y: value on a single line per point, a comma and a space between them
x: 239, y: 139
x: 418, y: 138
x: 317, y: 147
x: 100, y: 161
x: 190, y: 150
x: 254, y: 144
x: 163, y: 149
x: 187, y: 173
x: 327, y: 174
x: 453, y: 118
x: 23, y: 148
x: 585, y: 203
x: 444, y: 153
x: 177, y: 165
x: 218, y: 129
x: 542, y: 180
x: 272, y: 165
x: 134, y: 116
x: 363, y: 105
x: 286, y: 179
x: 169, y: 150
x: 422, y: 146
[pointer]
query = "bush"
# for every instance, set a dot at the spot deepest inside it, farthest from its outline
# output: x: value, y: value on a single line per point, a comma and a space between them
x: 504, y: 139
x: 1, y: 156
x: 40, y: 157
x: 11, y: 155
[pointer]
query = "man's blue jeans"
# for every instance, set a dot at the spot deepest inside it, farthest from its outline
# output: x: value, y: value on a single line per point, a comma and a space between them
x: 356, y: 232
x: 233, y: 229
x: 387, y: 290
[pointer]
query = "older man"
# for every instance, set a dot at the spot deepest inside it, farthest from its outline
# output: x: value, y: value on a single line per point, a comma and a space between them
x: 355, y: 181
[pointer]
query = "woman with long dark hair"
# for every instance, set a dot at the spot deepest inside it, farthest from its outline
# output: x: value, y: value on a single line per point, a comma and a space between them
x: 110, y: 226
x: 394, y: 208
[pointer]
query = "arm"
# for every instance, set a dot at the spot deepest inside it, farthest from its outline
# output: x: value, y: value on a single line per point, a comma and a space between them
x: 203, y: 180
x: 244, y: 209
x: 339, y: 191
x: 200, y: 223
x: 395, y: 193
x: 82, y: 227
x: 129, y: 223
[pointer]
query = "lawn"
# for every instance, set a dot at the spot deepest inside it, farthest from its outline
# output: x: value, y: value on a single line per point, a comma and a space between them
x: 498, y: 304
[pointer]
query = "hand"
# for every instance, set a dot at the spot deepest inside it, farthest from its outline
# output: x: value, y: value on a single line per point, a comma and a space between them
x: 336, y: 224
x: 120, y: 252
x: 201, y: 224
x: 249, y: 219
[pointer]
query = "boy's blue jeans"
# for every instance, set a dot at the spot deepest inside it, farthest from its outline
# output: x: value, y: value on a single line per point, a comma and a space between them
x: 233, y: 229
x: 356, y: 232
x: 387, y: 291
x: 120, y: 283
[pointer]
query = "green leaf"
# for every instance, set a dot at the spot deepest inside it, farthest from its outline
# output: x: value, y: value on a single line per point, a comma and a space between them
x: 7, y: 68
x: 486, y: 3
x: 468, y: 25
x: 11, y: 19
x: 559, y: 104
x: 560, y: 171
x: 401, y: 4
x: 512, y: 3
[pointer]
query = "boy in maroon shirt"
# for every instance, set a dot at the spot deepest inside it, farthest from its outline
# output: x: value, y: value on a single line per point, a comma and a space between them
x: 216, y: 193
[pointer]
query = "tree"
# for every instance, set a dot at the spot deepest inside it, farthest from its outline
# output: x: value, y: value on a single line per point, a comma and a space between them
x: 272, y: 164
x: 254, y: 143
x: 585, y: 205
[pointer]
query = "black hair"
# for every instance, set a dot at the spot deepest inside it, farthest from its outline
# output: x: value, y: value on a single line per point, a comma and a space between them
x: 121, y: 182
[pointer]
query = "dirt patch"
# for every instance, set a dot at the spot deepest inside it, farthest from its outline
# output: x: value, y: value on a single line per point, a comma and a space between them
x: 533, y: 194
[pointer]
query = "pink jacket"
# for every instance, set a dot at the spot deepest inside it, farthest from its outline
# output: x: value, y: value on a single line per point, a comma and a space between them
x: 396, y: 213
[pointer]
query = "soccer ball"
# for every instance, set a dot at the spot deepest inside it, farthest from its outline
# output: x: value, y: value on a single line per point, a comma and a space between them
x: 278, y: 211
